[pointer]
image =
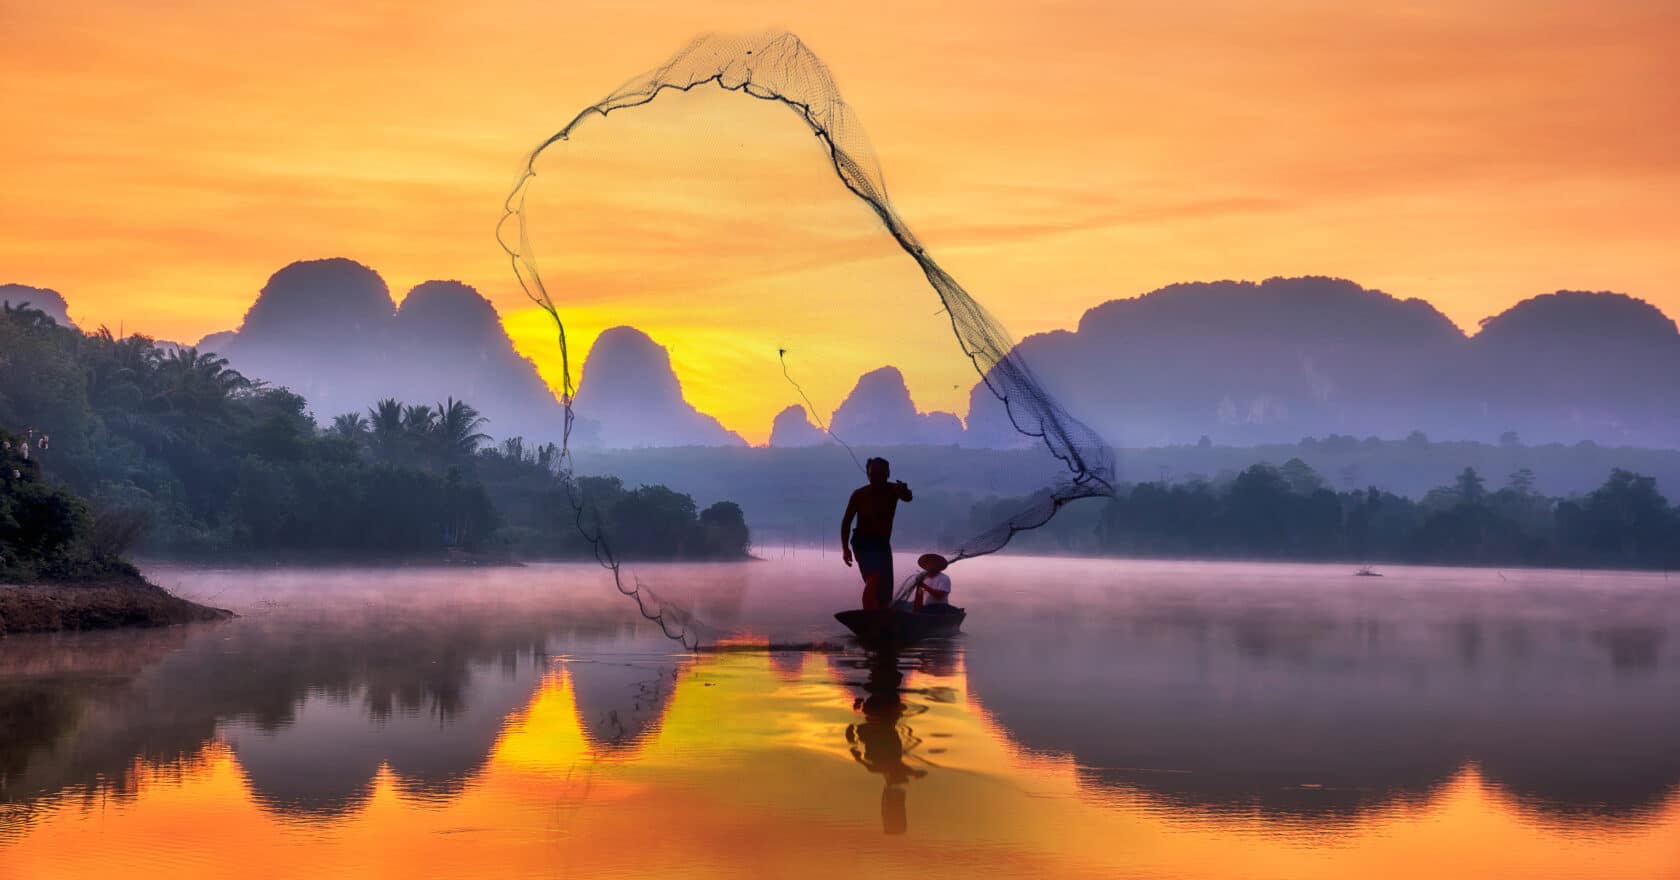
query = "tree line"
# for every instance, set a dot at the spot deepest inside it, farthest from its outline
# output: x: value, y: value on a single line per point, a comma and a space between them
x: 1288, y: 512
x: 171, y: 447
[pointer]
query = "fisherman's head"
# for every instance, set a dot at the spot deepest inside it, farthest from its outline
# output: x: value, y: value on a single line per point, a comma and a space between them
x: 878, y: 470
x: 932, y: 563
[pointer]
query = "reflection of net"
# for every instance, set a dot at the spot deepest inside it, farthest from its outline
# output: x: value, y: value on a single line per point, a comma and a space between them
x: 778, y: 67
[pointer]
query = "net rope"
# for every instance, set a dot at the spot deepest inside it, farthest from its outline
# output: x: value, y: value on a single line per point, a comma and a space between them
x: 811, y: 409
x: 778, y: 67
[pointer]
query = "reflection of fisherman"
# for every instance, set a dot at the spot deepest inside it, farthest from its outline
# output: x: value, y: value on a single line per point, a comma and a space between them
x: 878, y: 743
x: 874, y: 506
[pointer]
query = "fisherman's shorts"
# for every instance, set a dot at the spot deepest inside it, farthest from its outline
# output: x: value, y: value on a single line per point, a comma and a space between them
x: 875, y: 564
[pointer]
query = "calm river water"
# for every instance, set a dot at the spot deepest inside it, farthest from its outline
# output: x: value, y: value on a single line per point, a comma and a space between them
x: 1097, y: 719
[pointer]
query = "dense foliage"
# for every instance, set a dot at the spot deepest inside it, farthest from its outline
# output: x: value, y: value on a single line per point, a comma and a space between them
x: 794, y: 495
x: 1288, y: 512
x: 45, y: 530
x: 206, y: 461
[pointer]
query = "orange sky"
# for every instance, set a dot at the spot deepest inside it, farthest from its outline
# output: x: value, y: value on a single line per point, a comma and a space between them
x: 159, y: 161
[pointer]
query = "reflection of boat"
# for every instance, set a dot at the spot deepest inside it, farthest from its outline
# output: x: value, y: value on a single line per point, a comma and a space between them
x: 891, y: 627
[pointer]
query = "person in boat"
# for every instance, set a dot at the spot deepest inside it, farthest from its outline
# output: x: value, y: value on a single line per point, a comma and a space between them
x: 933, y: 586
x: 873, y: 506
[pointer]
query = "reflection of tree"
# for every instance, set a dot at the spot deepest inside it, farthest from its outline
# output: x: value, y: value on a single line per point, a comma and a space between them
x: 31, y: 721
x: 1267, y: 637
x: 376, y: 685
x: 1632, y: 647
x: 1301, y: 712
x: 48, y: 685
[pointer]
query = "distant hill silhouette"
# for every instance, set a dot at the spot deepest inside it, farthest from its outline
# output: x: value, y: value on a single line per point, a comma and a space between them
x: 631, y: 397
x: 1571, y: 366
x: 218, y: 342
x: 49, y: 301
x: 792, y: 427
x: 329, y: 330
x: 317, y: 301
x: 879, y: 412
x: 1246, y: 363
x: 1241, y: 363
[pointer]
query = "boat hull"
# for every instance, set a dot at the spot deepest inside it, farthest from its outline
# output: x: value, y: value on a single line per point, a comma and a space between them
x: 889, y: 628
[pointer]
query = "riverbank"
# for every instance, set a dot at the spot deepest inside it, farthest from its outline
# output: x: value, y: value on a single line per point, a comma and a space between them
x: 103, y: 603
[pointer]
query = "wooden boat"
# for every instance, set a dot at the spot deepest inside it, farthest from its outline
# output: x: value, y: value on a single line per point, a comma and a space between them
x: 894, y: 628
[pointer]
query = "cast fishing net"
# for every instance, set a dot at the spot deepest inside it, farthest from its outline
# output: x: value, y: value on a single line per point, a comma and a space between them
x: 778, y: 67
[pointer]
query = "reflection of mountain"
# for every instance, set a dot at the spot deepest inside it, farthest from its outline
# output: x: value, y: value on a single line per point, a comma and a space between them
x: 1234, y: 711
x: 312, y: 709
x: 1256, y: 363
x: 787, y: 665
x: 620, y: 701
x: 630, y: 395
x: 291, y: 772
x: 328, y: 329
x: 1277, y: 701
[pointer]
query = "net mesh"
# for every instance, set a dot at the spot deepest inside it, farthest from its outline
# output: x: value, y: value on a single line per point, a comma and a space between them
x: 778, y: 67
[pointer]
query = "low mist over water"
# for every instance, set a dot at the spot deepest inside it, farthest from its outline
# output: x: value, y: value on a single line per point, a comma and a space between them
x: 1097, y: 718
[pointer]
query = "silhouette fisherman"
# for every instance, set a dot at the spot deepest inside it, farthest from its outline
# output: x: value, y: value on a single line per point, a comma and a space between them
x: 873, y: 506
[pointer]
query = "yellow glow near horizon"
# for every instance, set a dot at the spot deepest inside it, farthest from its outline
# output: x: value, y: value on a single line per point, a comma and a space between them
x: 161, y: 161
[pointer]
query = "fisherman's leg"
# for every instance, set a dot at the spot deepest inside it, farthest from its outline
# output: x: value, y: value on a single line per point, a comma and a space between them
x: 871, y: 571
x: 885, y: 587
x: 870, y: 557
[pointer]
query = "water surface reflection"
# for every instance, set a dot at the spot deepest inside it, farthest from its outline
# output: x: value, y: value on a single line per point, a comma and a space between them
x: 1146, y: 720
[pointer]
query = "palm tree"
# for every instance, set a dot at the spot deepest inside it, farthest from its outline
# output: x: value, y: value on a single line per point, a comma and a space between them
x: 418, y: 420
x: 115, y: 370
x: 457, y: 428
x: 548, y: 457
x: 127, y: 389
x: 350, y: 425
x: 385, y: 420
x: 28, y: 315
x: 386, y: 417
x: 208, y: 368
x: 199, y: 386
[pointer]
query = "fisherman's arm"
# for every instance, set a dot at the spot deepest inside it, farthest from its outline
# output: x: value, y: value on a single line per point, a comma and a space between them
x: 903, y: 491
